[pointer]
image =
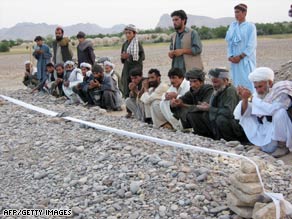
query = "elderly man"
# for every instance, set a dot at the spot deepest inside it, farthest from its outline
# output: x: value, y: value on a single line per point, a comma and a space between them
x: 153, y: 89
x: 102, y: 90
x: 110, y: 72
x: 85, y: 51
x: 241, y: 38
x: 62, y: 49
x: 179, y: 86
x: 186, y: 46
x: 133, y: 102
x: 220, y: 122
x: 72, y: 77
x: 264, y: 115
x: 199, y: 92
x: 81, y: 89
x: 30, y: 79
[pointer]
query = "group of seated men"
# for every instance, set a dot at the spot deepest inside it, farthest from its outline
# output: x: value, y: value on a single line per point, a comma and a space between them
x: 217, y: 110
x: 91, y: 86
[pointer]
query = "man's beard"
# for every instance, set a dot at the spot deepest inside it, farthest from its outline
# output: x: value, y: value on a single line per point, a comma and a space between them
x: 153, y: 83
x: 59, y: 38
x: 219, y: 90
x: 177, y: 27
x: 262, y: 96
x: 195, y: 90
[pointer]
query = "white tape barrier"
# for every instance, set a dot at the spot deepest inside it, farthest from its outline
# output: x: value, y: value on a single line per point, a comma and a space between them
x: 276, y: 197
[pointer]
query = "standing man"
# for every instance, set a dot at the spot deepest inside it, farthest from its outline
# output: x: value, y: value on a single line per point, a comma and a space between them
x: 61, y: 47
x: 85, y: 51
x: 241, y: 38
x: 43, y: 55
x: 132, y: 56
x: 186, y: 46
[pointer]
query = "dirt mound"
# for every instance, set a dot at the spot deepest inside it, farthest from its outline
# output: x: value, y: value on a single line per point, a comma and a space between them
x: 285, y: 72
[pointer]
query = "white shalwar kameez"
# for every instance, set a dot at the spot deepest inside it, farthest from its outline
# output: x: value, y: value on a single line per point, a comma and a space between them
x: 279, y: 129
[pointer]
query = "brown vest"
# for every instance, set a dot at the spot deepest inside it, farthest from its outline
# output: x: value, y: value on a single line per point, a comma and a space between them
x: 191, y: 61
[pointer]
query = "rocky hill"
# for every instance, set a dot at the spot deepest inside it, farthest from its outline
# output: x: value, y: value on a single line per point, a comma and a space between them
x: 165, y: 21
x: 27, y: 31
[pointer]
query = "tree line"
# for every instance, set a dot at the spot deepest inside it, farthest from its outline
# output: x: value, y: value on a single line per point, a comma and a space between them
x: 204, y: 32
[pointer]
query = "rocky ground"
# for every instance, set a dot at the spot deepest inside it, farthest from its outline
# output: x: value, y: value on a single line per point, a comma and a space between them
x: 50, y: 163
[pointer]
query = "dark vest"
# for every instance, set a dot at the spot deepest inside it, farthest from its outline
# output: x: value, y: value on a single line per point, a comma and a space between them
x: 64, y: 51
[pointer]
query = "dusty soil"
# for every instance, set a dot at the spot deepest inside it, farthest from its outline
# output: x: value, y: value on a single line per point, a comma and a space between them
x: 270, y: 53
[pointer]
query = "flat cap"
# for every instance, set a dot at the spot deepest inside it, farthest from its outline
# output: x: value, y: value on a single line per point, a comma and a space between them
x: 195, y: 73
x: 219, y: 73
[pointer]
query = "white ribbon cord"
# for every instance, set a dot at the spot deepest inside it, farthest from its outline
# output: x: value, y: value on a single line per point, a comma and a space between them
x: 276, y: 197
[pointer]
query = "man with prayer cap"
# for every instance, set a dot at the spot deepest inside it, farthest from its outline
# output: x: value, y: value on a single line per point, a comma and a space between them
x: 81, y: 89
x: 30, y: 79
x: 132, y: 56
x: 264, y: 115
x: 110, y: 72
x: 219, y: 122
x: 241, y: 38
x: 199, y: 92
x: 85, y: 51
x: 72, y: 77
x: 62, y: 48
x: 186, y: 47
x: 179, y: 86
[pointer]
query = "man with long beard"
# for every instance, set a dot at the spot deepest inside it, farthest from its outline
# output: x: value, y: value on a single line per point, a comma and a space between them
x: 264, y: 115
x: 219, y: 122
x: 62, y: 49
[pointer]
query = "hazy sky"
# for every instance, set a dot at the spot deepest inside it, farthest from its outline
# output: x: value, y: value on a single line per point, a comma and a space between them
x: 144, y: 14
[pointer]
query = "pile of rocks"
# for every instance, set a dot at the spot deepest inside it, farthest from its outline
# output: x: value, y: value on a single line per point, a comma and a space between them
x: 245, y: 189
x: 285, y: 72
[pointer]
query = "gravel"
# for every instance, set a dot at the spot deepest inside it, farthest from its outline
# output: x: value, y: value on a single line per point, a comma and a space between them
x: 52, y: 163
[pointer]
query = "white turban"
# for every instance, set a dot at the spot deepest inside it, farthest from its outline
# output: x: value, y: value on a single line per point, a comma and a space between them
x: 85, y: 65
x: 69, y: 63
x: 109, y: 64
x: 261, y: 74
x: 27, y: 62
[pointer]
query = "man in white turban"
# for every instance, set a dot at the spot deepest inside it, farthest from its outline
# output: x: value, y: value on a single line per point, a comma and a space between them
x: 265, y: 115
x: 72, y: 77
x: 109, y: 71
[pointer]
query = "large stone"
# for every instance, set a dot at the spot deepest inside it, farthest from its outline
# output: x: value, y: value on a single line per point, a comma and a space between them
x: 247, y: 167
x: 247, y: 177
x: 236, y: 202
x: 267, y: 211
x: 249, y: 188
x: 245, y: 212
x: 251, y: 199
